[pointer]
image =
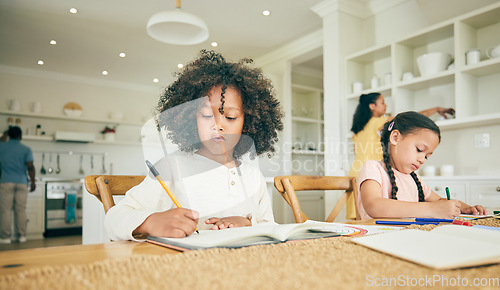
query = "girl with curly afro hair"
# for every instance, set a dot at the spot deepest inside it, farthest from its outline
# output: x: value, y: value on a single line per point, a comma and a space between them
x: 261, y: 110
x: 217, y: 112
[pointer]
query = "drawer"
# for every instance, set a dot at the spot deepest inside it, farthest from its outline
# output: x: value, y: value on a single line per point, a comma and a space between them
x: 485, y: 194
x: 457, y: 190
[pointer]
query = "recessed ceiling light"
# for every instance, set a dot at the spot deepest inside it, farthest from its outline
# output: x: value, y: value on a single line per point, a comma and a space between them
x: 122, y: 54
x: 40, y: 62
x: 214, y: 44
x: 266, y: 12
x: 73, y: 11
x: 104, y: 72
x: 180, y: 65
x: 155, y: 80
x: 53, y: 42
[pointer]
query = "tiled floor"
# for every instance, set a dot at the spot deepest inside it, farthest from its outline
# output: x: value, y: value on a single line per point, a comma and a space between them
x: 46, y: 242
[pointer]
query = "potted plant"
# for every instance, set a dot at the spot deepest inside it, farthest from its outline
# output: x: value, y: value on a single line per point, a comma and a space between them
x: 109, y: 132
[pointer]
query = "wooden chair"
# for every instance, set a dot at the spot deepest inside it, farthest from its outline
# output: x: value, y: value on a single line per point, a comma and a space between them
x: 288, y: 184
x: 103, y: 187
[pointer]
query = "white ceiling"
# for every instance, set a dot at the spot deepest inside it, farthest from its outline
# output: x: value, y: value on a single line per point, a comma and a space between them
x: 90, y: 41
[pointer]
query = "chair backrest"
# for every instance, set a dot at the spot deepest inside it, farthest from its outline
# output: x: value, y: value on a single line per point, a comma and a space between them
x: 288, y: 184
x: 103, y: 187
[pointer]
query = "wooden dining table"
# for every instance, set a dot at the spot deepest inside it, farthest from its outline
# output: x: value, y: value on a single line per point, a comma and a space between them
x: 20, y: 260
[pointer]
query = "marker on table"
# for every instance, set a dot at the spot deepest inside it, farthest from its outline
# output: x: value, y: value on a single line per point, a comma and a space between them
x: 448, y: 196
x: 172, y: 196
x: 401, y: 223
x: 455, y: 222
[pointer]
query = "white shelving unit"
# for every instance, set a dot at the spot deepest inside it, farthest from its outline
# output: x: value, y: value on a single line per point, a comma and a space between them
x: 307, y: 130
x: 471, y: 89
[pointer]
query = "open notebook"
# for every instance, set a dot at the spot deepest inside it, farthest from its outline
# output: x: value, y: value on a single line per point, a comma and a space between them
x: 268, y: 233
x: 445, y: 247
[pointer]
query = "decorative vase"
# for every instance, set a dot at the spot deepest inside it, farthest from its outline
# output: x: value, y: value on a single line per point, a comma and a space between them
x: 109, y: 136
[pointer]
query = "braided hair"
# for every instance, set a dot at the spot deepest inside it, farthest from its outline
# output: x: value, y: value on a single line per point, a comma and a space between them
x: 406, y: 123
x: 363, y: 113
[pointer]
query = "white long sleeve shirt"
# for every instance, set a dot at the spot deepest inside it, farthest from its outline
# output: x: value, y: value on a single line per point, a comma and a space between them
x: 200, y: 184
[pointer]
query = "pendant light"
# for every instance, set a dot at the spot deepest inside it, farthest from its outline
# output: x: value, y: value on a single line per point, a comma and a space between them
x: 177, y: 27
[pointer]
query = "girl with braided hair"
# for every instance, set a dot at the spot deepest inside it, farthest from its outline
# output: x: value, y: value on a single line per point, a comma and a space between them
x: 391, y: 188
x: 369, y: 118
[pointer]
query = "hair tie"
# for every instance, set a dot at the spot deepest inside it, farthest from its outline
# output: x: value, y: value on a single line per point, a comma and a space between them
x: 390, y: 126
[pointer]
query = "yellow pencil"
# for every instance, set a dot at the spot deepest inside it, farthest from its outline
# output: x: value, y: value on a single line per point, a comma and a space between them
x: 172, y: 196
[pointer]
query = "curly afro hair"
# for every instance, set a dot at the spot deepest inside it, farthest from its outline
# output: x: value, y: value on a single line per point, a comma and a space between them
x: 262, y: 110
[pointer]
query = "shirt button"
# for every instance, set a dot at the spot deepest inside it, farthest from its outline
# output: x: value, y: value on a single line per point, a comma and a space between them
x: 233, y: 183
x: 233, y: 172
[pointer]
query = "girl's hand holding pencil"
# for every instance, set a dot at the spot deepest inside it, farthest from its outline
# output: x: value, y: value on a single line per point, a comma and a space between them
x: 444, y: 208
x: 173, y: 223
x: 467, y: 209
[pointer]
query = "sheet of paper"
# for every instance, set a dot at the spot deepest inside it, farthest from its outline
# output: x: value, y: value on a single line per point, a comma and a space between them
x: 446, y: 247
x: 474, y: 217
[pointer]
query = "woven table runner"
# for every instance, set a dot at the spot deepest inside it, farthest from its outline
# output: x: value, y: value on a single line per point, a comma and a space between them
x: 313, y: 264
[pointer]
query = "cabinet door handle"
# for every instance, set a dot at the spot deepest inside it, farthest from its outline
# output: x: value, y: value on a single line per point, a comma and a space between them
x: 498, y: 188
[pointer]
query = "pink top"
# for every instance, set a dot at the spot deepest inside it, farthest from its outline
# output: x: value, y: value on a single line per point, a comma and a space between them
x: 407, y: 188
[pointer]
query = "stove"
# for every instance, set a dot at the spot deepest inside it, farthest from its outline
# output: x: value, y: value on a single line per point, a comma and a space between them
x: 63, y: 205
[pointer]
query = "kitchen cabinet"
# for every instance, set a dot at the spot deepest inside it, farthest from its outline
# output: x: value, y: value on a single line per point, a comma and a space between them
x: 458, y: 190
x: 486, y: 193
x: 128, y: 132
x: 35, y: 212
x: 482, y: 190
x: 470, y: 89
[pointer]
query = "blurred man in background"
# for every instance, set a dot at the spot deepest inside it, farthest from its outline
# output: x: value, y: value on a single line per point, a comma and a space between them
x: 16, y: 163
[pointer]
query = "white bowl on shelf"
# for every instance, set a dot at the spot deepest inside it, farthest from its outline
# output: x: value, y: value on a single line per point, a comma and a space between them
x: 433, y: 63
x: 72, y: 113
x: 493, y: 51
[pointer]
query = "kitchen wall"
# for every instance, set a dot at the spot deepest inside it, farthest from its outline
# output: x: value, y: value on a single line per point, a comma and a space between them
x: 458, y: 148
x: 98, y: 98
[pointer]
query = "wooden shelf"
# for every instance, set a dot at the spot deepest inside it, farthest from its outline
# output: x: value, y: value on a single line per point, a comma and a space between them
x: 384, y: 90
x: 434, y: 33
x: 483, y: 68
x: 38, y: 138
x: 371, y: 54
x: 303, y: 88
x: 126, y: 143
x: 66, y: 118
x: 307, y: 120
x: 475, y: 121
x: 418, y: 83
x: 99, y: 142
